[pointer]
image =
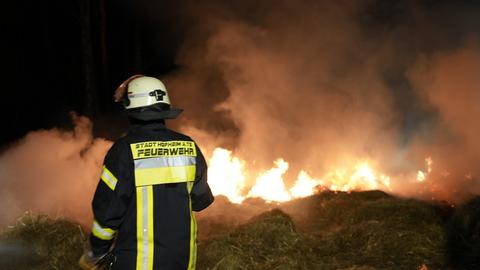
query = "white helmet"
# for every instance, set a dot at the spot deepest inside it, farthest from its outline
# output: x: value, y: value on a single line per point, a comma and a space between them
x: 146, y: 97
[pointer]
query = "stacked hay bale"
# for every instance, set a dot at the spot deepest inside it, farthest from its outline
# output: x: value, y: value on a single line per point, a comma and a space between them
x: 269, y: 241
x: 354, y: 231
x: 37, y: 242
x: 360, y: 230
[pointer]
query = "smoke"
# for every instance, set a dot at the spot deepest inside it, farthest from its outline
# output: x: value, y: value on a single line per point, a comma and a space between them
x: 53, y: 172
x: 325, y: 84
x: 450, y: 81
x: 297, y: 88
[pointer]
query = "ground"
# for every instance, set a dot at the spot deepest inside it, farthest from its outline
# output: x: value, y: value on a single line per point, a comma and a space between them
x: 355, y: 231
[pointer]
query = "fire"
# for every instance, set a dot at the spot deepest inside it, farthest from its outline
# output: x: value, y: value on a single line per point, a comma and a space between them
x: 228, y: 176
x: 270, y: 186
x: 305, y: 185
x: 361, y: 177
x: 422, y: 175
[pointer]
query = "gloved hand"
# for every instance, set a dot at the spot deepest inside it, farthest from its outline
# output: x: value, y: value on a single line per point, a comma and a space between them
x: 88, y: 261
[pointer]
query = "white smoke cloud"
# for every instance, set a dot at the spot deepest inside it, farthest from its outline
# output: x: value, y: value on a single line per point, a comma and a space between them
x: 307, y: 81
x: 53, y: 172
x: 297, y: 88
x: 450, y: 81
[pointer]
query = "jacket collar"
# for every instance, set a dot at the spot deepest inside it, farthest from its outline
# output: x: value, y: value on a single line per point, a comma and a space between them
x: 148, y: 125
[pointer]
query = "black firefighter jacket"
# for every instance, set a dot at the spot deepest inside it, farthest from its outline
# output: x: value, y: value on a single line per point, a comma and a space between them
x: 152, y: 180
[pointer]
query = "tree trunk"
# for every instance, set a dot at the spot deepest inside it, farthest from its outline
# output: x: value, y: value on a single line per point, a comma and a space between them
x: 88, y: 62
x: 105, y: 78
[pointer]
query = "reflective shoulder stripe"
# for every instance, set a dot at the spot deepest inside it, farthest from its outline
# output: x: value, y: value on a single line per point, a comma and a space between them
x: 103, y: 233
x: 164, y: 175
x: 108, y: 178
x: 177, y: 161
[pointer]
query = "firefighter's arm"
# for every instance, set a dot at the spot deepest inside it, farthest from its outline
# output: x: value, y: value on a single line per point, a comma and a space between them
x: 111, y: 199
x: 201, y: 194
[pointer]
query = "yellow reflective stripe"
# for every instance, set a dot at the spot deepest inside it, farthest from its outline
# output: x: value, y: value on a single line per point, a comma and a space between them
x: 103, y: 233
x: 189, y: 187
x: 146, y: 163
x: 140, y: 250
x: 163, y: 148
x: 192, y: 262
x: 108, y: 178
x: 144, y: 228
x: 150, y: 227
x: 164, y: 175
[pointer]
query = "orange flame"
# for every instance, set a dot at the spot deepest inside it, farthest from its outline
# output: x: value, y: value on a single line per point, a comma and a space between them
x: 270, y: 186
x: 228, y: 176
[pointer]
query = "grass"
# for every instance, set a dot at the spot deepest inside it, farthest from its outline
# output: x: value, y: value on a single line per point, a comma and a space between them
x: 350, y: 231
x: 269, y: 241
x: 360, y: 230
x: 38, y: 242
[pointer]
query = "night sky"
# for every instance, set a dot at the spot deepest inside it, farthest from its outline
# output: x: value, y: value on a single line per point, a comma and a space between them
x: 62, y: 56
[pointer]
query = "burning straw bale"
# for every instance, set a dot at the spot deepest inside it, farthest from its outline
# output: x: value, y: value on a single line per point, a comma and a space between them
x: 350, y: 231
x: 223, y: 216
x: 269, y: 241
x: 359, y: 230
x: 372, y: 229
x: 38, y: 242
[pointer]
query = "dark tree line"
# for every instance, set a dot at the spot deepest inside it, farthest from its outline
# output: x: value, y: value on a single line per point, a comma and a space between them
x: 61, y: 56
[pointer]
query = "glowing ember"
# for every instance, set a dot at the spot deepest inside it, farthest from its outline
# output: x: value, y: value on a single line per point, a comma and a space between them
x: 428, y: 163
x: 422, y: 175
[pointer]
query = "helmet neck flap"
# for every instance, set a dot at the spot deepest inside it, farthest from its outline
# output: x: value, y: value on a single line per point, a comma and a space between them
x: 154, y: 112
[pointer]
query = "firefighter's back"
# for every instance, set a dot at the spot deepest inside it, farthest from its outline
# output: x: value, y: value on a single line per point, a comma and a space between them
x: 158, y: 230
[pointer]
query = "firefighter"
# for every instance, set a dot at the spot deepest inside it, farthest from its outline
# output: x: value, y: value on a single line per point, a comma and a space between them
x: 151, y: 181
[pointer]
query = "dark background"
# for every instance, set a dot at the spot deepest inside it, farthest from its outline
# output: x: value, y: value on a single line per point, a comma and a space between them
x: 61, y: 56
x: 64, y: 56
